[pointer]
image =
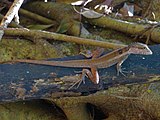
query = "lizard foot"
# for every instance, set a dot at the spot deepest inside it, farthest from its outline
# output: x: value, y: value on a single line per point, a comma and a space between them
x: 120, y: 70
x: 78, y: 82
x: 82, y: 79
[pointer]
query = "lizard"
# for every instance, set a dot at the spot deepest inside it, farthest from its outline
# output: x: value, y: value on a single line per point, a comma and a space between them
x: 117, y: 56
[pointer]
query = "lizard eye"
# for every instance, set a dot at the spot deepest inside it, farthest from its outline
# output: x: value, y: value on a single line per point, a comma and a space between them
x: 142, y: 47
x: 120, y: 51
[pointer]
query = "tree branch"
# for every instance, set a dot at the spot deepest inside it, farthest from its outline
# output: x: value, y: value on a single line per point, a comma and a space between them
x: 127, y: 27
x: 61, y: 37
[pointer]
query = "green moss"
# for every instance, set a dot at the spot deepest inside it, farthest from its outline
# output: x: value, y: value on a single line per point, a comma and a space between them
x: 13, y: 49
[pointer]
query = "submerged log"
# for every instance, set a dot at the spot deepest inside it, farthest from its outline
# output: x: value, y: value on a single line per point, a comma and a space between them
x: 21, y: 81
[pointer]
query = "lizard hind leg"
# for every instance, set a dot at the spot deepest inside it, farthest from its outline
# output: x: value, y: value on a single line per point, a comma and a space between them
x: 92, y: 75
x: 95, y: 54
x: 84, y: 73
x: 81, y: 79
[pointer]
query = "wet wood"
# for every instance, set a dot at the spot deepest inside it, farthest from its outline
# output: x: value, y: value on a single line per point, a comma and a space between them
x: 21, y: 81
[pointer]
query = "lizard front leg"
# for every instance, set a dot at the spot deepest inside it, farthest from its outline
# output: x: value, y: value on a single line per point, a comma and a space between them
x: 119, y: 64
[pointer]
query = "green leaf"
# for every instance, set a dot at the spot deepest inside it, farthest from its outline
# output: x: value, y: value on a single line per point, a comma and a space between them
x: 39, y: 27
x: 64, y: 26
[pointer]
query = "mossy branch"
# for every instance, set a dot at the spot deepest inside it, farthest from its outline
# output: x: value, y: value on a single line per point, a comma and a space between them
x: 61, y: 37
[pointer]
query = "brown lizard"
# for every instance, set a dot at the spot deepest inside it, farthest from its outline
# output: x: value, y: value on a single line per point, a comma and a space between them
x: 117, y: 56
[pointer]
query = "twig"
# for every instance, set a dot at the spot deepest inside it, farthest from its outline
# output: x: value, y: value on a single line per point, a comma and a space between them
x: 12, y: 24
x: 36, y: 17
x: 147, y: 11
x: 12, y: 13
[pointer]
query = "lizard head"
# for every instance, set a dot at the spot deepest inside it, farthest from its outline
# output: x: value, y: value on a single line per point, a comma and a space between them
x: 139, y: 48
